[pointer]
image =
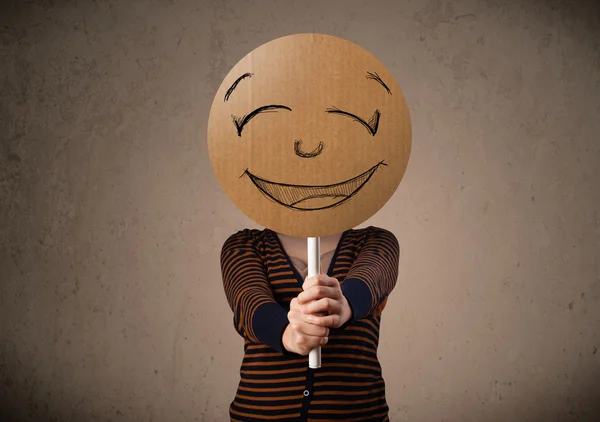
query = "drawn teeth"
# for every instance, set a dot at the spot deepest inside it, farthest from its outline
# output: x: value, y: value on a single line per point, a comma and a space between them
x: 293, y: 195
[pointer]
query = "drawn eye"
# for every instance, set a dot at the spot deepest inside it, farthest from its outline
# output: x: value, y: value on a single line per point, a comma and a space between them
x: 240, y: 122
x: 371, y: 125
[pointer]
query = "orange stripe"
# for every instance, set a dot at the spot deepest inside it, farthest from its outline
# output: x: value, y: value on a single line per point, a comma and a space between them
x: 275, y: 371
x: 343, y: 412
x: 282, y: 268
x: 267, y: 389
x: 349, y: 365
x: 345, y: 383
x: 355, y: 357
x: 258, y: 346
x: 372, y: 325
x: 252, y: 381
x: 368, y: 340
x: 262, y: 355
x: 349, y: 346
x: 293, y: 415
x: 271, y: 399
x: 364, y: 330
x: 361, y: 419
x: 341, y: 374
x: 346, y: 393
x: 345, y: 401
x: 278, y: 282
x: 289, y: 289
x: 286, y: 407
x: 271, y: 363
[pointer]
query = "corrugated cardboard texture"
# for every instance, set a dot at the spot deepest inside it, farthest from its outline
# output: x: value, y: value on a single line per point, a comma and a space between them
x: 112, y: 220
x: 309, y: 135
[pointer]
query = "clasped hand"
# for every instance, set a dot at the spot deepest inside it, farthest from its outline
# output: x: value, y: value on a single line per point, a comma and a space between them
x: 320, y: 306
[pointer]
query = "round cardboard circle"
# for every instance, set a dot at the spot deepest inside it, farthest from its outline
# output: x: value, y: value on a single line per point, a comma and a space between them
x: 309, y: 135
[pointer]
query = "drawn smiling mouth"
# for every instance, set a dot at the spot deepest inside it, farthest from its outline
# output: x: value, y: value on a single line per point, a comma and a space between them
x: 312, y: 198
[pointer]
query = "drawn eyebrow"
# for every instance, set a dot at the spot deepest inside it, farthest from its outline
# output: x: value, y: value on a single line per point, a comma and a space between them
x: 371, y: 125
x: 235, y: 84
x: 376, y: 77
x: 240, y: 121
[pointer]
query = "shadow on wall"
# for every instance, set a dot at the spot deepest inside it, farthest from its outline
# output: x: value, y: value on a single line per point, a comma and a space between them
x: 25, y: 398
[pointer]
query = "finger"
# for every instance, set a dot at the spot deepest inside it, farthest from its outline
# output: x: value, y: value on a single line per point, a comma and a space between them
x: 332, y: 320
x: 319, y: 280
x: 316, y: 293
x: 313, y: 330
x: 325, y: 305
x: 294, y: 305
x: 300, y: 325
x: 307, y: 343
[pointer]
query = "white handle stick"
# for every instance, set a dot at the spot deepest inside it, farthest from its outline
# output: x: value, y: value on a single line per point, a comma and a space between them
x: 314, y: 264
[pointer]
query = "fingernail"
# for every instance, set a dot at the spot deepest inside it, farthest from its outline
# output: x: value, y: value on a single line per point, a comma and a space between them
x: 310, y: 318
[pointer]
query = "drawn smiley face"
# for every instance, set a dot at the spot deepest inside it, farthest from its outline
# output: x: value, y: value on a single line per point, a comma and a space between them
x: 309, y: 135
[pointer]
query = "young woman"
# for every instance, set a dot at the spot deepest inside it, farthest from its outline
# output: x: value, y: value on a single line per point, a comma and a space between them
x: 282, y: 315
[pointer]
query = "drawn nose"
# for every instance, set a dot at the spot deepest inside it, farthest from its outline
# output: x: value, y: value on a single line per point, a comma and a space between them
x: 311, y: 154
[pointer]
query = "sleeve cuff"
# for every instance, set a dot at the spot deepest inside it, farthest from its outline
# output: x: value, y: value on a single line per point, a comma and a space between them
x: 358, y: 296
x: 268, y: 323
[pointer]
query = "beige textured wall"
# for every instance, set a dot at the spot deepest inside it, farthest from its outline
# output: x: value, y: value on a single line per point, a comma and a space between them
x: 111, y: 305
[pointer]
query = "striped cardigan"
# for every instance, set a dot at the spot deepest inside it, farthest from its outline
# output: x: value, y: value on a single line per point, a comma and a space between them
x: 276, y: 385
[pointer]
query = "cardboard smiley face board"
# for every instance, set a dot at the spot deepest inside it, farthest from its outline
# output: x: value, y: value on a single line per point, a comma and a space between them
x: 309, y: 135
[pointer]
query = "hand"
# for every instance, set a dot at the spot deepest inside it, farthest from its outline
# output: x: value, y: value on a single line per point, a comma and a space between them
x: 323, y: 302
x: 301, y: 336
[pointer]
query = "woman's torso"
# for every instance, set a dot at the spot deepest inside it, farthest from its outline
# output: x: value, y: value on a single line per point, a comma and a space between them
x: 349, y: 385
